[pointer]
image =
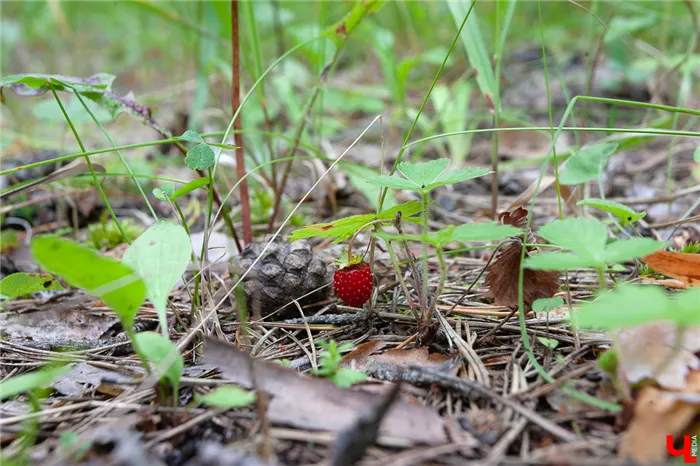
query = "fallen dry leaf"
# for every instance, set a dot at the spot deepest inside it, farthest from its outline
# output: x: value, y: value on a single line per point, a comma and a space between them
x: 503, y: 272
x: 420, y: 357
x: 678, y: 265
x: 307, y: 402
x: 56, y: 327
x: 656, y: 416
x: 649, y: 351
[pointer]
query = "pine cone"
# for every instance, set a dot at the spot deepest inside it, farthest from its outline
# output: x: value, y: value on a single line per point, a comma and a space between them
x: 286, y: 272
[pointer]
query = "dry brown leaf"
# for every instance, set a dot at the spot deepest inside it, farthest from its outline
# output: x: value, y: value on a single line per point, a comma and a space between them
x: 363, y: 350
x: 649, y: 351
x: 503, y: 272
x: 56, y: 326
x: 307, y: 402
x: 678, y: 265
x: 413, y: 357
x: 655, y: 417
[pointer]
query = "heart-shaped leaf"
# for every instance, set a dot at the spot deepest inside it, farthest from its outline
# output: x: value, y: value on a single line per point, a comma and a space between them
x: 160, y: 256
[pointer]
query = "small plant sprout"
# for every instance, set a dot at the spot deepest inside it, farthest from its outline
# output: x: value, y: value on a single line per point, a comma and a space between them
x: 330, y: 365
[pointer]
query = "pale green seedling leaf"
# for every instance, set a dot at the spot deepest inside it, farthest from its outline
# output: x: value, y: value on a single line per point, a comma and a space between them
x: 189, y: 187
x: 30, y: 381
x: 344, y: 228
x: 191, y: 136
x: 587, y: 164
x: 423, y: 174
x: 547, y: 304
x: 161, y: 351
x: 548, y: 342
x: 627, y: 306
x: 348, y: 377
x: 160, y: 256
x: 226, y: 396
x: 584, y: 236
x: 200, y: 157
x: 22, y: 283
x: 621, y: 211
x: 628, y: 249
x: 114, y: 282
x: 166, y: 190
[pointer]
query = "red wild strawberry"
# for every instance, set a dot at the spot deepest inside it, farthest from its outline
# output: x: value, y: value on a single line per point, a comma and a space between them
x: 353, y: 283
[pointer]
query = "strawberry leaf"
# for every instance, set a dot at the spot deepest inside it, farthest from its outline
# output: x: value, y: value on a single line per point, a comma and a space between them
x: 586, y: 164
x: 344, y: 228
x: 425, y: 176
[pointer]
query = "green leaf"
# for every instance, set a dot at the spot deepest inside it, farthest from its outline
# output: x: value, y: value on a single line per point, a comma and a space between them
x: 341, y: 29
x: 191, y: 136
x: 344, y: 228
x: 621, y: 211
x: 21, y: 283
x: 685, y: 306
x: 457, y: 176
x: 189, y: 187
x: 393, y: 182
x: 158, y: 349
x: 423, y: 174
x: 547, y: 304
x: 627, y: 306
x: 200, y: 157
x: 584, y: 236
x: 160, y: 256
x: 166, y: 190
x: 586, y: 164
x: 624, y: 250
x: 559, y: 261
x: 478, y: 54
x: 30, y: 381
x: 348, y: 377
x: 696, y: 155
x: 548, y: 342
x: 113, y: 282
x: 226, y: 396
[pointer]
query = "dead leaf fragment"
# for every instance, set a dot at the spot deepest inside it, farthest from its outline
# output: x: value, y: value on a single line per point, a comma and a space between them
x: 649, y: 351
x: 678, y: 265
x: 53, y: 326
x: 311, y: 403
x: 656, y: 416
x: 420, y: 357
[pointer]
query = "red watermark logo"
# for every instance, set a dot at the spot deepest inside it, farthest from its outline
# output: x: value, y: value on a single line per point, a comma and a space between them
x: 689, y: 452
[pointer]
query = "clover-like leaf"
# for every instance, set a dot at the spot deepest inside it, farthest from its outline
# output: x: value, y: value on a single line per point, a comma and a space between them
x: 114, y: 282
x: 22, y: 283
x: 160, y: 256
x: 621, y: 211
x: 200, y: 157
x: 226, y: 396
x: 586, y: 164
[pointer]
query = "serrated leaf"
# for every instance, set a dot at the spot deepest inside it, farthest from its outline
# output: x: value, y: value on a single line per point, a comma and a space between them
x: 547, y: 304
x: 586, y: 164
x: 165, y: 190
x: 457, y: 176
x: 191, y: 136
x: 21, y: 283
x: 113, y: 282
x: 621, y: 211
x: 189, y: 187
x: 200, y: 157
x: 344, y: 228
x: 628, y: 249
x: 30, y: 381
x: 584, y: 236
x: 160, y: 256
x: 423, y: 174
x: 627, y: 306
x: 226, y: 396
x: 159, y: 349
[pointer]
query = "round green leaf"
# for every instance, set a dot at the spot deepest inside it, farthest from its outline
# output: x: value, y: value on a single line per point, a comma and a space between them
x: 200, y: 157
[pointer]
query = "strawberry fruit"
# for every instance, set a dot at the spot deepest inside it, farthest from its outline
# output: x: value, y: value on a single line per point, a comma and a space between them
x: 353, y: 283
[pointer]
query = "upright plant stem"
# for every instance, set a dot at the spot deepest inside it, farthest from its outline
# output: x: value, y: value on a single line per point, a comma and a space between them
x: 235, y: 103
x: 424, y: 216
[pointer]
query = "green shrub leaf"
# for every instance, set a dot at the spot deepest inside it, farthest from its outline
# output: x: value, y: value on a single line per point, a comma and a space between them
x: 621, y: 211
x: 113, y: 282
x: 160, y: 256
x: 226, y: 396
x: 21, y: 283
x: 586, y: 164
